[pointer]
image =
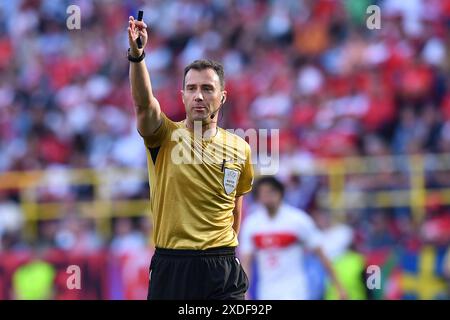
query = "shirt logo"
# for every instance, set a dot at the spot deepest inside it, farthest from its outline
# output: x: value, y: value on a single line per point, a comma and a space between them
x: 230, y: 180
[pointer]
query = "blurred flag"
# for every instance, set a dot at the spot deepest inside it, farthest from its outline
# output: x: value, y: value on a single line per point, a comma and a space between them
x: 422, y: 274
x: 410, y: 273
x: 387, y: 260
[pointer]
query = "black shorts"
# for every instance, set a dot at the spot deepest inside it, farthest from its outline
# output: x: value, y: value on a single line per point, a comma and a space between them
x: 214, y: 274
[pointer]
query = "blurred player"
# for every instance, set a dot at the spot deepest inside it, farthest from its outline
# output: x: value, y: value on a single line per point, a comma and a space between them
x: 276, y: 235
x: 196, y: 205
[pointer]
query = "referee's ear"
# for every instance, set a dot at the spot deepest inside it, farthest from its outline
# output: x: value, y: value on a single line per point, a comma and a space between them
x: 182, y: 95
x: 224, y: 97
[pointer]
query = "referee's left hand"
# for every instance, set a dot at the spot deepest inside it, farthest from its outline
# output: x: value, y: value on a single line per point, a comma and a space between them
x: 136, y: 29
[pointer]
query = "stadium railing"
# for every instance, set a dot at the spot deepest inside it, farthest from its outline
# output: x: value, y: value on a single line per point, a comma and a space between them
x: 338, y: 195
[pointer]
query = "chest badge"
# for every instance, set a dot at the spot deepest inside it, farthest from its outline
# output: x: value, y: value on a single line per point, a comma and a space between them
x: 230, y: 180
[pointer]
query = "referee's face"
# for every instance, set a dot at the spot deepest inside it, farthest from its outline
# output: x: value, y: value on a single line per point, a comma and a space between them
x: 202, y: 94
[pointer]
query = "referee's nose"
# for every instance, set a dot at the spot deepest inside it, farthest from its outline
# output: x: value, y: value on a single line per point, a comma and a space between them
x: 198, y: 96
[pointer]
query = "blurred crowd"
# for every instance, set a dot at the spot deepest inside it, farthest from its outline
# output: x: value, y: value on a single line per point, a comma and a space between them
x: 313, y: 69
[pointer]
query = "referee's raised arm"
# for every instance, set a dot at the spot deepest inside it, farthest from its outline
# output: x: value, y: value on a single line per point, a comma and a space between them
x: 148, y: 111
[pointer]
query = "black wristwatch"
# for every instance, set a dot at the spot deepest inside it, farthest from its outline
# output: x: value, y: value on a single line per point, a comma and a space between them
x: 133, y: 59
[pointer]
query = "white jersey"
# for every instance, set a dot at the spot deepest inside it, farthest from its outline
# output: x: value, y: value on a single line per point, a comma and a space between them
x: 278, y: 244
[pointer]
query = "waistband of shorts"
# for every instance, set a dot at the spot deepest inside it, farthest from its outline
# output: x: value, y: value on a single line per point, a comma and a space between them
x: 220, y: 251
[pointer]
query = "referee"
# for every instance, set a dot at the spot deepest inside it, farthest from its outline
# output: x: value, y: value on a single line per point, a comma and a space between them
x: 195, y: 205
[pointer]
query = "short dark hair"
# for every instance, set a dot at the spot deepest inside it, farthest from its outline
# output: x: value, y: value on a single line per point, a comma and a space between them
x: 270, y: 180
x: 206, y: 64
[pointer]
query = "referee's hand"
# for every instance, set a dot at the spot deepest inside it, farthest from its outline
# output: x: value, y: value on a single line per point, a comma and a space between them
x: 136, y: 29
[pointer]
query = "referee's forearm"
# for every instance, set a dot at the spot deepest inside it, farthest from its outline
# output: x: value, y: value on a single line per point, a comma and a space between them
x: 237, y: 213
x: 141, y: 87
x: 237, y: 224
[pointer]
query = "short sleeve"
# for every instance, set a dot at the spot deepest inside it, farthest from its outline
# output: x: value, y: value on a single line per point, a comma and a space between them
x: 160, y: 135
x: 309, y: 234
x: 246, y: 178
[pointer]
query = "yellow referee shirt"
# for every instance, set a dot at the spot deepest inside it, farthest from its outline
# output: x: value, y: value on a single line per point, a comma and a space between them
x: 193, y: 185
